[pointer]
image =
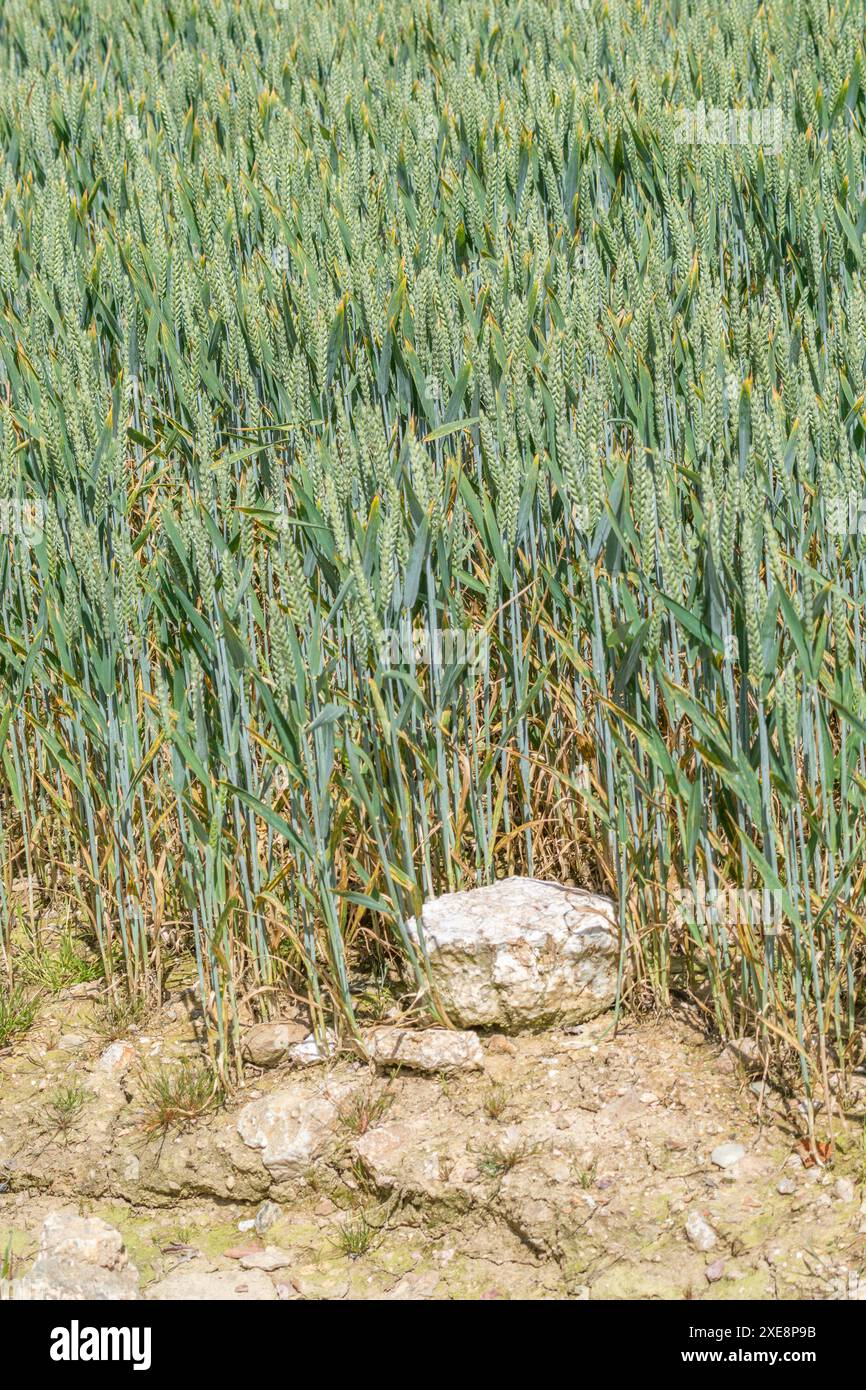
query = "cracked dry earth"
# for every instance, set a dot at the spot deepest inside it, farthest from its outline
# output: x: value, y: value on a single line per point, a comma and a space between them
x: 569, y: 1167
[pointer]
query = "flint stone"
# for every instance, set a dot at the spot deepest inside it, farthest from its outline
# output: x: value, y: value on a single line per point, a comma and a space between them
x: 700, y: 1232
x: 267, y: 1044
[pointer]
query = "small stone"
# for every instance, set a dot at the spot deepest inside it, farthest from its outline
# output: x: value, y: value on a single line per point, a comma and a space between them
x: 700, y: 1232
x: 70, y: 1042
x: 84, y: 1239
x: 80, y: 1258
x: 313, y: 1283
x: 74, y: 1281
x: 247, y: 1225
x: 130, y: 1167
x: 268, y: 1260
x: 726, y: 1155
x: 88, y: 989
x: 116, y: 1058
x: 310, y: 1052
x: 425, y: 1049
x: 715, y: 1271
x: 843, y: 1188
x: 267, y: 1216
x: 294, y: 1127
x: 324, y: 1207
x: 497, y: 1042
x: 648, y: 1098
x: 267, y: 1044
x: 747, y: 1052
x: 786, y: 1187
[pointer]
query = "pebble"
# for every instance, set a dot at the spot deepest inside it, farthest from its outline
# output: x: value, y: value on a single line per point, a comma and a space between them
x: 786, y: 1186
x: 268, y: 1260
x: 116, y: 1057
x: 700, y: 1232
x: 726, y: 1155
x: 266, y: 1216
x: 715, y: 1271
x: 267, y: 1044
x: 309, y: 1053
x: 843, y: 1188
x: 248, y: 1225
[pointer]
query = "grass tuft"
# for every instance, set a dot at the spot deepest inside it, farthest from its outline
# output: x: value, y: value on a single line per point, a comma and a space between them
x: 362, y: 1111
x: 174, y: 1095
x: 17, y: 1012
x: 64, y: 1107
x: 355, y: 1237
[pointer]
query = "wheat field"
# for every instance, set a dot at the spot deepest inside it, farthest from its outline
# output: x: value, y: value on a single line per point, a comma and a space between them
x: 433, y: 448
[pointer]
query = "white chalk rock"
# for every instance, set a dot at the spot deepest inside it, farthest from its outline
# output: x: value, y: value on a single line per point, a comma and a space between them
x: 523, y: 953
x: 295, y: 1126
x: 87, y: 1239
x: 700, y: 1232
x: 424, y: 1049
